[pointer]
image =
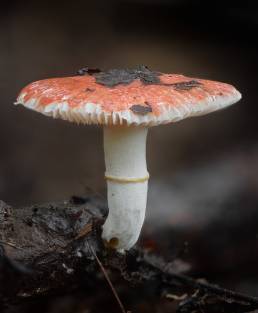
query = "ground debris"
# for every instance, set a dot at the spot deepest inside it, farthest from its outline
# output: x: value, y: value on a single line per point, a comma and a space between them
x: 55, y: 256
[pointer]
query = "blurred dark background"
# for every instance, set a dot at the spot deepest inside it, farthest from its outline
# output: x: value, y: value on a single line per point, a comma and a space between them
x: 43, y: 159
x: 196, y: 165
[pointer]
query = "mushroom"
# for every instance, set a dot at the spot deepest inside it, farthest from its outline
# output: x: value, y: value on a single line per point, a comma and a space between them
x: 126, y: 102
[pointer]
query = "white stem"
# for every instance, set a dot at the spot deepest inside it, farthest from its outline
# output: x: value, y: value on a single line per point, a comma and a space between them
x: 127, y: 184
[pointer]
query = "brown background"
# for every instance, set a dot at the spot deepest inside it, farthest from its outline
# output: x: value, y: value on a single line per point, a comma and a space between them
x: 203, y: 170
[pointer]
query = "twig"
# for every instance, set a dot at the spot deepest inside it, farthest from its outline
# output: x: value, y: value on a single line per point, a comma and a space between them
x: 171, y: 296
x: 109, y: 281
x: 216, y: 290
x: 7, y: 243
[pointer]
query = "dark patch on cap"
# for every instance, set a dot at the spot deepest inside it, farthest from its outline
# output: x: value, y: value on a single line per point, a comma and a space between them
x: 186, y: 85
x: 140, y: 109
x: 89, y: 89
x: 116, y: 77
x: 88, y: 71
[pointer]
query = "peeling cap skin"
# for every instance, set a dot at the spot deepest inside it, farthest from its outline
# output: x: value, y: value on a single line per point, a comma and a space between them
x: 126, y: 97
x: 121, y: 101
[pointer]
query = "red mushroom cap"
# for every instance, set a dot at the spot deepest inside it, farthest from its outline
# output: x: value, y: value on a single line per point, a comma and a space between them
x: 132, y: 97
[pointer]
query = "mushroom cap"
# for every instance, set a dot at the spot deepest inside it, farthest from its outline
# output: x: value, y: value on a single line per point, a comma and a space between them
x: 126, y: 97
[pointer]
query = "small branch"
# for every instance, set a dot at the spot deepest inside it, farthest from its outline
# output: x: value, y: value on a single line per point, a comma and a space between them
x: 201, y: 295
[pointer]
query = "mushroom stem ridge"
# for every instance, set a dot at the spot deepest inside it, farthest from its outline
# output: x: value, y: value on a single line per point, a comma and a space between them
x: 127, y: 184
x: 127, y: 179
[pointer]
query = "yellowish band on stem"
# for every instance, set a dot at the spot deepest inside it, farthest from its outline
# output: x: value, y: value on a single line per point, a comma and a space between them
x: 126, y: 180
